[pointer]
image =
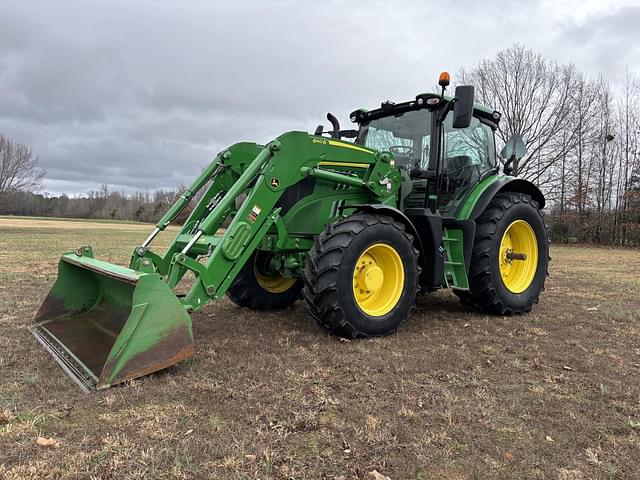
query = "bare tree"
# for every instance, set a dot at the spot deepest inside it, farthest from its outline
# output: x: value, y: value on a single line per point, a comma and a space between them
x: 19, y: 169
x: 534, y: 96
x: 583, y: 122
x: 629, y: 139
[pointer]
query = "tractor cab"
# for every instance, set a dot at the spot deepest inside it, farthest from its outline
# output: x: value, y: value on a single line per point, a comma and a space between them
x: 441, y: 158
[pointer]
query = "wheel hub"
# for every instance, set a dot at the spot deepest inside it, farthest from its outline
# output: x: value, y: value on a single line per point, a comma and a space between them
x: 378, y: 279
x: 368, y: 276
x: 518, y: 256
x: 271, y: 282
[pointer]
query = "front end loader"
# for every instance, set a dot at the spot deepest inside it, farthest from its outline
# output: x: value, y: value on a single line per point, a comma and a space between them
x: 357, y: 228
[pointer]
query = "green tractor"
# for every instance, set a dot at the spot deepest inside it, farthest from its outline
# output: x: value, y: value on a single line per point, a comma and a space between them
x: 413, y: 203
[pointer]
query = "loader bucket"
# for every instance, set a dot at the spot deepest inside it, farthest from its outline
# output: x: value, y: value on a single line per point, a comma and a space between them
x: 105, y: 324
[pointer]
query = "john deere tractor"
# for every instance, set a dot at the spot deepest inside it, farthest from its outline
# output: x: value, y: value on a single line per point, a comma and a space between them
x: 356, y: 222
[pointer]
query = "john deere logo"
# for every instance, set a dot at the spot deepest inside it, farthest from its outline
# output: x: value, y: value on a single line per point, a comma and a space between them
x: 275, y: 182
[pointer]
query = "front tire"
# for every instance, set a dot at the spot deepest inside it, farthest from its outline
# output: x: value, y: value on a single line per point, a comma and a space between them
x: 254, y: 289
x: 510, y: 257
x: 361, y: 276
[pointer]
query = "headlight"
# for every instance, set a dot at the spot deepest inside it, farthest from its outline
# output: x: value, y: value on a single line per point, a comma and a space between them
x: 358, y: 116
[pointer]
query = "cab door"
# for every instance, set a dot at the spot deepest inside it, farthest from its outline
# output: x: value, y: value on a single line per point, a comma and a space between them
x: 467, y: 155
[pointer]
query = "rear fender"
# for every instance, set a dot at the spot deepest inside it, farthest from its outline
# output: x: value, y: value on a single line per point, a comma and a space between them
x: 479, y: 199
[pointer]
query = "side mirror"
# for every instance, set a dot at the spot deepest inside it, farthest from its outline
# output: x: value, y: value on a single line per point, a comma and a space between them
x: 463, y: 106
x: 513, y: 151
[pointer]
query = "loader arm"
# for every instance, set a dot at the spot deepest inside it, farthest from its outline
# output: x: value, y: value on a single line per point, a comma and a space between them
x: 277, y: 166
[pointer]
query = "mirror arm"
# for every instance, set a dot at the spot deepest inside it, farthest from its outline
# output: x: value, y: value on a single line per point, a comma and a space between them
x: 445, y: 110
x: 506, y: 166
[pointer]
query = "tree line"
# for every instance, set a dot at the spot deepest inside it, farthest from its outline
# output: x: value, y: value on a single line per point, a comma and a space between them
x: 583, y: 150
x: 583, y: 140
x: 21, y: 179
x: 100, y: 204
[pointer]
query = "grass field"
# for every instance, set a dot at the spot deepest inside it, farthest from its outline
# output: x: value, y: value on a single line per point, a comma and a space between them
x: 553, y: 394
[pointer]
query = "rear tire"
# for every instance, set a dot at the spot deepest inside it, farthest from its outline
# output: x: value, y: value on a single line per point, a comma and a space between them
x: 252, y: 290
x: 361, y: 276
x: 499, y: 285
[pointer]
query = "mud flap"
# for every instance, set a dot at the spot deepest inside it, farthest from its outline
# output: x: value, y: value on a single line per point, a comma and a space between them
x: 105, y: 324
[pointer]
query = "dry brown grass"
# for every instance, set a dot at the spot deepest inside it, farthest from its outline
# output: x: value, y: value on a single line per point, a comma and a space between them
x: 554, y: 394
x: 62, y: 224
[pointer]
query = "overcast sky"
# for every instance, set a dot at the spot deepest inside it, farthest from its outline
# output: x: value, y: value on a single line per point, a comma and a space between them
x: 142, y: 95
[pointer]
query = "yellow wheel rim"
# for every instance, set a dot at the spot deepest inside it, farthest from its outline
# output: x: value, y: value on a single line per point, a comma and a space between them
x: 272, y: 284
x: 378, y: 279
x: 518, y: 256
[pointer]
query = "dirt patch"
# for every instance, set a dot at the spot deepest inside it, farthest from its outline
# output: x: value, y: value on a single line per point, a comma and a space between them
x: 553, y: 394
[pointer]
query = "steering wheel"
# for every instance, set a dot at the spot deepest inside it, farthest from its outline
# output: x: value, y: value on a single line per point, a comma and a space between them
x: 405, y: 150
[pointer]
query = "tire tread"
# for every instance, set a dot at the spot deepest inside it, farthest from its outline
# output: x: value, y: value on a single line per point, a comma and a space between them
x: 323, y: 265
x: 483, y: 295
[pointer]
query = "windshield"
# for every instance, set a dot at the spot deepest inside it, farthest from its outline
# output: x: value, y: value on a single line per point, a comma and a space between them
x: 405, y: 135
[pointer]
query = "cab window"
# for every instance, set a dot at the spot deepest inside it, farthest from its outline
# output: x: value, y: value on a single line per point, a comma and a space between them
x: 468, y: 154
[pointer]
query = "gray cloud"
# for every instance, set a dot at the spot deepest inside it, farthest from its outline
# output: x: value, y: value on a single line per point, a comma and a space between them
x: 142, y: 95
x: 608, y: 42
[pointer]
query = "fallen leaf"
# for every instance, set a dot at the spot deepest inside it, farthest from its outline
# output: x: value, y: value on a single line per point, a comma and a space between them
x: 4, y: 418
x: 47, y: 442
x: 567, y: 367
x: 250, y: 457
x: 376, y: 475
x: 592, y: 309
x: 549, y: 439
x: 508, y: 456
